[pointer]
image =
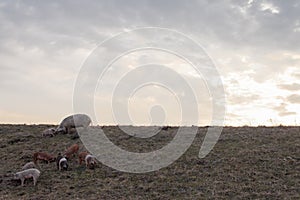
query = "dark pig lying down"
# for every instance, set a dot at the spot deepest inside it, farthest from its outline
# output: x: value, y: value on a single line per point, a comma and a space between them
x: 73, y: 121
x: 49, y: 132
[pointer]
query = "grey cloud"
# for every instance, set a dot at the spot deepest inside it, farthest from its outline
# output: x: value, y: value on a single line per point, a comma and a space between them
x: 275, y: 30
x: 222, y: 20
x: 71, y: 24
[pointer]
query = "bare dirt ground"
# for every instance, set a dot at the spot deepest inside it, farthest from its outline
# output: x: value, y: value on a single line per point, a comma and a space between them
x: 246, y: 163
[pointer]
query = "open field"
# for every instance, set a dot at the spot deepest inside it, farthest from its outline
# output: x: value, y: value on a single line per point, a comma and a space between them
x: 246, y: 163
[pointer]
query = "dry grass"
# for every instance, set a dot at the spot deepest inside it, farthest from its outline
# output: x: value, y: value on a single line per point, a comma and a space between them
x: 246, y: 163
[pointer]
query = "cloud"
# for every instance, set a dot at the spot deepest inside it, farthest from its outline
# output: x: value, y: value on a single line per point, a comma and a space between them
x: 43, y: 45
x: 243, y: 100
x: 294, y: 98
x: 291, y: 87
x: 297, y: 75
x: 267, y: 6
x: 283, y: 111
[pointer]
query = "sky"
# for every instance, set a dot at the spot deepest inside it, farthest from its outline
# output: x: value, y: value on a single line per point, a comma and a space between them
x: 254, y: 46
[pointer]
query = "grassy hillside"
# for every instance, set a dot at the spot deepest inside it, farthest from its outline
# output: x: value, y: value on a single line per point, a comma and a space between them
x: 261, y: 162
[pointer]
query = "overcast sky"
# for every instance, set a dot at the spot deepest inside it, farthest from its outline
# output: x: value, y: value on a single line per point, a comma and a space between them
x: 254, y: 45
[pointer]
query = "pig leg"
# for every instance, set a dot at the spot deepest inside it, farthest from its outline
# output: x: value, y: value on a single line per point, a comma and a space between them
x: 68, y: 130
x: 22, y: 181
x: 34, y: 181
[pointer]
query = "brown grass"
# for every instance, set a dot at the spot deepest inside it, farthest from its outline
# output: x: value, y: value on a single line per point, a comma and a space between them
x: 246, y: 163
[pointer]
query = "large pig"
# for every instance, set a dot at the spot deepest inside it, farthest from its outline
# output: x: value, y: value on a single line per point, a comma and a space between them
x: 28, y: 173
x: 61, y: 162
x: 73, y: 121
x: 90, y: 160
x: 72, y: 150
x: 43, y: 156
